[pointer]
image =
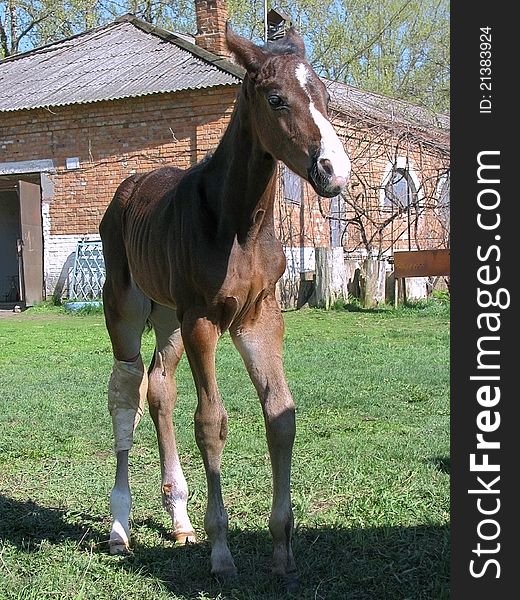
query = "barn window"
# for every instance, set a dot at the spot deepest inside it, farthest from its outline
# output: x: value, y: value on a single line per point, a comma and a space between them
x: 292, y: 186
x: 443, y: 198
x: 399, y: 190
x: 400, y: 187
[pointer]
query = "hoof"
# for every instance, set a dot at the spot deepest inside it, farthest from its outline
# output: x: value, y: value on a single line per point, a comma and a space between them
x: 289, y: 581
x: 226, y: 577
x: 185, y: 538
x: 118, y: 548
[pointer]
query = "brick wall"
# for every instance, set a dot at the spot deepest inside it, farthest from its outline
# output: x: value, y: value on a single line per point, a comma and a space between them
x: 373, y: 150
x: 113, y: 140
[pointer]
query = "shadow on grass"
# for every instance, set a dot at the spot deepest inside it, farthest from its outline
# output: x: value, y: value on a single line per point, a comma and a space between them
x: 354, y: 307
x: 443, y: 463
x: 383, y: 563
x: 27, y: 524
x: 409, y: 305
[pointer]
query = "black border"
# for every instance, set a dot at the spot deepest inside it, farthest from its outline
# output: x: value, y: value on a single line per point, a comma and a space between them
x: 473, y: 132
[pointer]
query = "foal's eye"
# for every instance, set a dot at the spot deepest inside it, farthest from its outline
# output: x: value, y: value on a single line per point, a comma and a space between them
x: 276, y: 101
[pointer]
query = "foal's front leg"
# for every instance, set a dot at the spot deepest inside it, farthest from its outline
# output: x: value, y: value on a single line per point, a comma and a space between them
x: 200, y: 338
x: 126, y: 394
x: 259, y: 341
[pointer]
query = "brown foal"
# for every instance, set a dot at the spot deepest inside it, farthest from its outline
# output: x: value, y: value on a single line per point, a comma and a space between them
x: 194, y: 253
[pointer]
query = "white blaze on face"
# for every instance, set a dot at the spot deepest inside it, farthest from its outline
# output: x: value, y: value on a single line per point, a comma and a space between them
x: 302, y: 75
x: 331, y: 147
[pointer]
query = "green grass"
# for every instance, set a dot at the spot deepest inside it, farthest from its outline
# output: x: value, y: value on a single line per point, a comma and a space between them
x: 370, y: 477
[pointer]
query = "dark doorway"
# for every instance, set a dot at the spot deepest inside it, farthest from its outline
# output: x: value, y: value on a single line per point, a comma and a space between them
x: 9, y: 235
x: 21, y: 240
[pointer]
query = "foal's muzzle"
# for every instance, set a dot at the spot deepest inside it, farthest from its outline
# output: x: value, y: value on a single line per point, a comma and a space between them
x: 323, y: 179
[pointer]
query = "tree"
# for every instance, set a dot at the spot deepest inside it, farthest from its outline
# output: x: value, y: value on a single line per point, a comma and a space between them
x: 398, y: 48
x: 17, y: 20
x: 26, y: 24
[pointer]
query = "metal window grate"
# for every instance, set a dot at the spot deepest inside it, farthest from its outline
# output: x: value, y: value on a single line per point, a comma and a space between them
x: 88, y: 273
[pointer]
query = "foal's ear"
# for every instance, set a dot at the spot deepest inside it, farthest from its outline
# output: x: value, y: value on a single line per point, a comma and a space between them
x: 248, y: 54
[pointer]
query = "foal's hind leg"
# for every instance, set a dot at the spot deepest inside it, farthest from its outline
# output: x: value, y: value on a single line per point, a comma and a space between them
x: 200, y: 338
x: 259, y: 341
x: 126, y: 311
x: 162, y: 396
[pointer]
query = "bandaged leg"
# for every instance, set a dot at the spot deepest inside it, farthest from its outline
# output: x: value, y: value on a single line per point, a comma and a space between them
x: 126, y: 396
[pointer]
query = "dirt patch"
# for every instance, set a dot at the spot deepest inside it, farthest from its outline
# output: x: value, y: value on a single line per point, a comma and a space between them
x: 6, y: 313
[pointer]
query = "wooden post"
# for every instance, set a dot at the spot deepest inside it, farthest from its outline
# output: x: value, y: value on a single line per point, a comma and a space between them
x: 372, y: 284
x: 331, y: 284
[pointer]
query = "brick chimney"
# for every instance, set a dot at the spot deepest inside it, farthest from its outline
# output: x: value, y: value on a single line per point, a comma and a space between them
x: 211, y: 26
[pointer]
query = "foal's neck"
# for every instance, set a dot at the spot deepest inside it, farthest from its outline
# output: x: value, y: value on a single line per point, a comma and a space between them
x: 242, y: 178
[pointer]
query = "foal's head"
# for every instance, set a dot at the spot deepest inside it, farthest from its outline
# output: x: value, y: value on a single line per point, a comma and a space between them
x: 288, y: 104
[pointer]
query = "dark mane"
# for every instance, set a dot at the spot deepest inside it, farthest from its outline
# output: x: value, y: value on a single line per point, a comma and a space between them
x: 286, y: 45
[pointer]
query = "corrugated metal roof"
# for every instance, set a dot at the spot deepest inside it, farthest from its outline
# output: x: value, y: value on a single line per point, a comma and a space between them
x: 390, y: 112
x: 126, y: 58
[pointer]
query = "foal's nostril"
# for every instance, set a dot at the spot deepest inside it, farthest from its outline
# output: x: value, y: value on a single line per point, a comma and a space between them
x: 326, y: 166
